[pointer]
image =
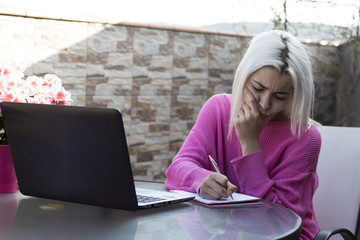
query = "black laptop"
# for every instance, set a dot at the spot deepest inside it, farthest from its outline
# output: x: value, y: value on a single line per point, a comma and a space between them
x: 76, y: 154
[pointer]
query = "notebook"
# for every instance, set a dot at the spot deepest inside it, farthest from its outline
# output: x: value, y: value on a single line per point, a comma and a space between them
x: 238, y: 200
x: 76, y: 154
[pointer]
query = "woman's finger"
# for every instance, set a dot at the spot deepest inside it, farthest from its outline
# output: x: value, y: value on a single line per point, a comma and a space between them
x: 252, y: 102
x: 210, y: 194
x: 231, y: 188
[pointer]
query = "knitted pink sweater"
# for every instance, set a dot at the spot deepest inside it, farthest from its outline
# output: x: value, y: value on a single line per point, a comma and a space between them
x: 283, y: 172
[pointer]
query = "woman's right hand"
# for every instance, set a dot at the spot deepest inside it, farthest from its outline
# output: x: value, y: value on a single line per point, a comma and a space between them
x: 216, y: 186
x: 249, y: 123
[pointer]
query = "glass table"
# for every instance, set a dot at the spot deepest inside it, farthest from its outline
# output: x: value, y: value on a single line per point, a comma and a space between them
x: 23, y: 217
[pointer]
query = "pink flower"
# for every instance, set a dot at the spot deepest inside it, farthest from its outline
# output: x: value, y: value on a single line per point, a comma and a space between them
x: 47, y: 90
x: 52, y: 81
x: 11, y: 71
x: 12, y: 95
x: 41, y: 99
x: 62, y: 97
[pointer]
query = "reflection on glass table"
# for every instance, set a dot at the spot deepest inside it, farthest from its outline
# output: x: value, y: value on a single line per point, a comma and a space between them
x: 24, y: 217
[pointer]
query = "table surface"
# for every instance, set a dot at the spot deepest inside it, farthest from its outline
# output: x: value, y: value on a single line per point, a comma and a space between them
x: 23, y: 217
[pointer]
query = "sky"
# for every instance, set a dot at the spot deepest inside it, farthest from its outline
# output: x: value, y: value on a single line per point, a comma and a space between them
x: 194, y: 13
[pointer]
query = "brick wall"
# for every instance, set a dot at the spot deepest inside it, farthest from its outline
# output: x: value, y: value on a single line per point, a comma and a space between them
x: 158, y: 78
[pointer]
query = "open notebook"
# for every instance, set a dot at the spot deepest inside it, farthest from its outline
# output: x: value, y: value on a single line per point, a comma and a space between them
x: 238, y: 200
x: 76, y: 154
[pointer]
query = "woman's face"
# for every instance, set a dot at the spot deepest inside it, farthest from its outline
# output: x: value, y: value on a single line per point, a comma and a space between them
x: 273, y: 92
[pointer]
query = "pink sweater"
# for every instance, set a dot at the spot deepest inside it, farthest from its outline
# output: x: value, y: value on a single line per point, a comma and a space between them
x: 283, y: 172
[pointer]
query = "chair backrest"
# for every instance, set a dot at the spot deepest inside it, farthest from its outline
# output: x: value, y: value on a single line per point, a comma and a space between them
x: 337, y: 200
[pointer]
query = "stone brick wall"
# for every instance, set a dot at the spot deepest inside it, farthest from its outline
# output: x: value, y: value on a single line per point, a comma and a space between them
x: 158, y: 78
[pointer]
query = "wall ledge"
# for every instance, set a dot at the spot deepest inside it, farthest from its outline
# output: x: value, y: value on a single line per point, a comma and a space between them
x: 113, y: 21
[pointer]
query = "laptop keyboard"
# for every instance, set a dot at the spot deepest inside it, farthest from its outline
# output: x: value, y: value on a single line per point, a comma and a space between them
x: 146, y: 199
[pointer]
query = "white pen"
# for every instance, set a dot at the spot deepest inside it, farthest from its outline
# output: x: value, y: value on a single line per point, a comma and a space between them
x: 216, y: 168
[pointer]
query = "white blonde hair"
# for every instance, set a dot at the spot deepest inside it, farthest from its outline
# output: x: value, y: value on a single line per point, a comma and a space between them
x: 285, y: 53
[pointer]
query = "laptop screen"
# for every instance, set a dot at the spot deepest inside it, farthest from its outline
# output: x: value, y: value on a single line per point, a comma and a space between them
x: 70, y: 153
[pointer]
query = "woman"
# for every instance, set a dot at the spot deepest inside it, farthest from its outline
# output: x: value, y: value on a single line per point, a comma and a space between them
x: 260, y: 135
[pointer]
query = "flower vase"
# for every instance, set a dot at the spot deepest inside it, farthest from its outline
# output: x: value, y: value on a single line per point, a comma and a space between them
x: 8, y: 182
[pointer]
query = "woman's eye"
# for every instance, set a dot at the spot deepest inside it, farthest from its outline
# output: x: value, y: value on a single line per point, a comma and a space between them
x: 257, y: 89
x: 279, y: 98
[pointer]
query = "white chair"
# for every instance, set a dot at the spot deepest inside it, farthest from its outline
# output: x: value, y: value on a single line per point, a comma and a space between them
x: 337, y: 200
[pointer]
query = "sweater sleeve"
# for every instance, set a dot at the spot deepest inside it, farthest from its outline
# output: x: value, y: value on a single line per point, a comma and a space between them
x: 291, y: 182
x: 191, y: 164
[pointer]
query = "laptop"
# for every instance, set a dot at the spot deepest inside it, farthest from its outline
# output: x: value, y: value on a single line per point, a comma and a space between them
x: 76, y: 154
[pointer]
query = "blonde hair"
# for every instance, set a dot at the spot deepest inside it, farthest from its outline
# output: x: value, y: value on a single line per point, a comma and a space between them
x: 285, y: 53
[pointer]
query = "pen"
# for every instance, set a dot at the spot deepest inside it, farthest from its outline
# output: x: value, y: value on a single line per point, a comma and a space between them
x: 216, y: 168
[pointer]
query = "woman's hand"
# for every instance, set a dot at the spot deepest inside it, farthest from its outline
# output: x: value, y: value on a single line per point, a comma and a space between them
x: 216, y: 186
x: 249, y: 123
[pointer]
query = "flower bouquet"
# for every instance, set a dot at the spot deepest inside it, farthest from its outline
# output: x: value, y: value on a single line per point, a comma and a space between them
x: 15, y: 88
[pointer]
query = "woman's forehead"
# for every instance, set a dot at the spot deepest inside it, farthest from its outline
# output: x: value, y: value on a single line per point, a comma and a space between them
x: 272, y: 79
